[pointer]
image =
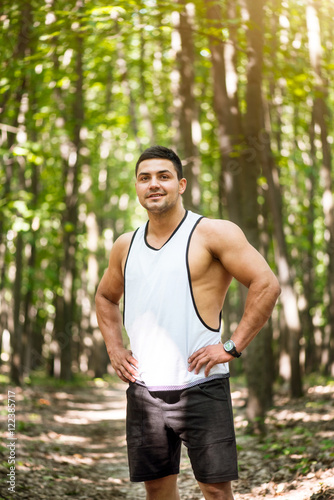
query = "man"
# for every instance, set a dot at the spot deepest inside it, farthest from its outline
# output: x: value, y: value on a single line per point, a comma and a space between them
x: 174, y: 273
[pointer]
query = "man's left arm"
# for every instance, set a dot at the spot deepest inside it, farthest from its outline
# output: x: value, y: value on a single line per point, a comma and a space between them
x: 241, y: 260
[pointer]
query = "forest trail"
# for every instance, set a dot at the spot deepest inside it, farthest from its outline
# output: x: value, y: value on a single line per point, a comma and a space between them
x: 71, y: 444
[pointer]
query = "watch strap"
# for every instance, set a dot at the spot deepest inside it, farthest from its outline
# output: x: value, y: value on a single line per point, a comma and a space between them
x: 232, y: 351
x: 235, y: 353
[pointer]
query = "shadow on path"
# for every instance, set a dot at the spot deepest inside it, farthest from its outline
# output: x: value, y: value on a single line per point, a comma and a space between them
x: 71, y: 444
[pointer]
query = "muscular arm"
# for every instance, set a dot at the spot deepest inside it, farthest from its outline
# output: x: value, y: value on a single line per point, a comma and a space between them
x: 248, y: 266
x: 227, y: 243
x: 108, y: 296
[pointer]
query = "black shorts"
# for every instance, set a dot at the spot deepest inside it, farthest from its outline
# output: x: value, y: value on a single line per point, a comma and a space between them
x: 201, y: 417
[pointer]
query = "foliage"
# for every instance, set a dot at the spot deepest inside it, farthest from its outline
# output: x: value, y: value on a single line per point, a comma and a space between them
x: 130, y: 98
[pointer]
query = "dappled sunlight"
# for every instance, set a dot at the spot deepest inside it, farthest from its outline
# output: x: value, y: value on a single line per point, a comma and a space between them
x: 92, y: 413
x: 320, y: 389
x: 52, y: 436
x: 72, y: 442
x: 240, y: 422
x: 76, y: 446
x: 78, y: 459
x: 239, y: 397
x: 75, y: 417
x: 289, y: 415
x: 244, y: 92
x: 95, y: 407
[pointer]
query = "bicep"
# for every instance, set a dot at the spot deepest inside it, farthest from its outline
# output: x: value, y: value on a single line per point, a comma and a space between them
x: 240, y: 259
x: 111, y: 285
x: 246, y: 264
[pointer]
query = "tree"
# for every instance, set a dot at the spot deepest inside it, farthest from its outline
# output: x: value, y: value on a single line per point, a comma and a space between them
x: 190, y: 131
x: 242, y: 90
x: 320, y: 118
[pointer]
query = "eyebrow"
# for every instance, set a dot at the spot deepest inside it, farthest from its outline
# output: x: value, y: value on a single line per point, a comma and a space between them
x: 159, y: 172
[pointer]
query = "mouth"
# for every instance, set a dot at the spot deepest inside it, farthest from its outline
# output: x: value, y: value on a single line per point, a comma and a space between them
x: 155, y: 195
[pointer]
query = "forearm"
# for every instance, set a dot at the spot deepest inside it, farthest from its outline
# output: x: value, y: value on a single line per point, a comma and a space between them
x: 261, y: 299
x: 260, y: 302
x: 109, y: 319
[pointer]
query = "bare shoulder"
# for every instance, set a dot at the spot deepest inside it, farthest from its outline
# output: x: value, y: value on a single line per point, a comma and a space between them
x: 218, y: 226
x: 227, y: 242
x: 112, y: 283
x: 120, y: 249
x: 221, y: 233
x: 123, y: 242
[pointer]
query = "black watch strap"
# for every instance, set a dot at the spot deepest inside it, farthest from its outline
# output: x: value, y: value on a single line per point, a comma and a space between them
x: 235, y: 353
x: 229, y: 347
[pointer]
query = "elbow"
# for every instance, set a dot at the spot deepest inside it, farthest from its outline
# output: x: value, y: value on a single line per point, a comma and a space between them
x: 103, y: 300
x: 270, y: 286
x: 275, y: 288
x: 97, y: 297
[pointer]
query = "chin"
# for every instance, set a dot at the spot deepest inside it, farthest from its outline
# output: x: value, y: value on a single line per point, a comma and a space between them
x: 153, y: 204
x: 157, y: 210
x: 158, y: 207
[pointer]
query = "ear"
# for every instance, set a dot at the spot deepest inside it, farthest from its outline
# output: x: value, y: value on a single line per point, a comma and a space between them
x: 182, y: 185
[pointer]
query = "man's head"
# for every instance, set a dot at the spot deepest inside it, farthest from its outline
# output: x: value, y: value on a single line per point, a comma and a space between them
x: 159, y: 181
x: 161, y: 152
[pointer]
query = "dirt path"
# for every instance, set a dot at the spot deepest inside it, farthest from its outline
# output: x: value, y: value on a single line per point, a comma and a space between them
x: 71, y: 444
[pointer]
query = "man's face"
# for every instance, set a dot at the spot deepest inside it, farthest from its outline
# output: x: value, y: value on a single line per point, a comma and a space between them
x: 158, y: 188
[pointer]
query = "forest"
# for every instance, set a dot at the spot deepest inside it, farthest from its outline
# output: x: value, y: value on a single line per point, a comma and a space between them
x: 241, y: 90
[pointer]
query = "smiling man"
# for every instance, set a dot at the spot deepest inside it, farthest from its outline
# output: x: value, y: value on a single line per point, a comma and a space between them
x: 174, y: 272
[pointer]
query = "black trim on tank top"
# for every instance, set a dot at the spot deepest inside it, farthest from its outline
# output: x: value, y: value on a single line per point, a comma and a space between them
x: 171, y: 236
x: 132, y: 239
x: 190, y: 284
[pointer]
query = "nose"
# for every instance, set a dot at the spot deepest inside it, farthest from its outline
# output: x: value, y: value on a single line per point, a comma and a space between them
x: 154, y: 183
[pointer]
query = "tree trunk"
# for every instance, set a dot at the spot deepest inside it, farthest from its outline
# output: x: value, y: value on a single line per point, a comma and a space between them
x: 312, y: 359
x: 29, y: 356
x: 98, y: 359
x: 28, y: 315
x: 70, y: 223
x: 321, y: 114
x: 269, y: 367
x: 189, y: 125
x: 123, y: 70
x: 21, y: 51
x: 16, y: 337
x: 143, y: 107
x: 288, y: 295
x: 4, y: 306
x: 257, y: 351
x: 291, y: 329
x: 228, y: 132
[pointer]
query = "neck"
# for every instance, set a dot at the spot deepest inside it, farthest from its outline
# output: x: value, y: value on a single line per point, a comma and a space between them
x: 165, y: 222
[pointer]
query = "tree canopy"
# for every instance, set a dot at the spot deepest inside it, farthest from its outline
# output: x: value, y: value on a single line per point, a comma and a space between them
x: 241, y: 90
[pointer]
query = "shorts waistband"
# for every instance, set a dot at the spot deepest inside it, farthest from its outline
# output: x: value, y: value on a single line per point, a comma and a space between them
x: 157, y: 388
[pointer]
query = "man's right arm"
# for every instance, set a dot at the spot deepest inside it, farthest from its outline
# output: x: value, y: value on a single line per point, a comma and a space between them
x: 109, y: 317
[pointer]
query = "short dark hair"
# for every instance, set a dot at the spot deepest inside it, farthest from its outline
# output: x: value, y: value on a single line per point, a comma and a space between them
x: 164, y: 153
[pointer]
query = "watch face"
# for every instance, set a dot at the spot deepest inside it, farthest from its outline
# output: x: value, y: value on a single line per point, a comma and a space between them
x: 229, y: 345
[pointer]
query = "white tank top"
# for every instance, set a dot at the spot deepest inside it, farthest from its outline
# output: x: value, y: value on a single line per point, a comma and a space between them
x: 160, y: 314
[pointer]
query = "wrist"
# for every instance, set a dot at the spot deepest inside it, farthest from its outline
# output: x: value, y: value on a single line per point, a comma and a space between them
x: 231, y: 349
x: 114, y: 347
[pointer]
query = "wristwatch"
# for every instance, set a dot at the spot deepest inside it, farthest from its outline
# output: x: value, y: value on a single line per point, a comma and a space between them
x: 229, y: 347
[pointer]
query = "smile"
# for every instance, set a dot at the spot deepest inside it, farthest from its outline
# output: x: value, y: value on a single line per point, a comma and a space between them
x: 155, y: 195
